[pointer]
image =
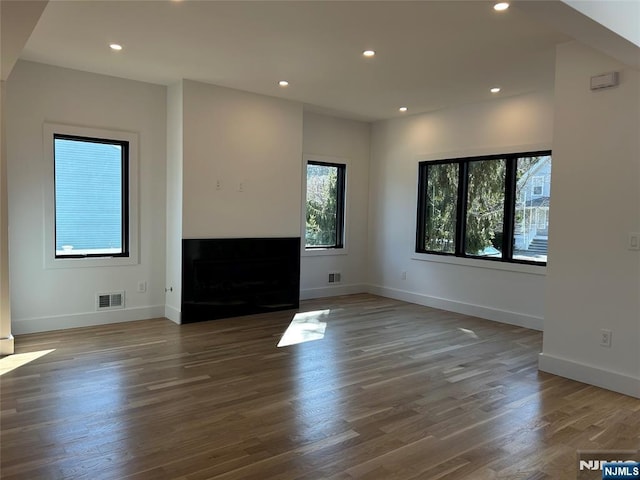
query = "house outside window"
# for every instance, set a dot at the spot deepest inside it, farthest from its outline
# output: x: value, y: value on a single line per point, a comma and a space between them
x: 485, y: 207
x: 91, y: 196
x: 538, y: 185
x: 531, y: 224
x: 324, y: 205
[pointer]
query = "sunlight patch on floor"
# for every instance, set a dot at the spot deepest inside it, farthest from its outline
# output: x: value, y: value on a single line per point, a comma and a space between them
x: 305, y: 327
x: 11, y: 362
x: 471, y: 333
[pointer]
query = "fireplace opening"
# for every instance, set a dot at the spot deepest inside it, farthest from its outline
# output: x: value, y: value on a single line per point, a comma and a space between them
x: 231, y: 277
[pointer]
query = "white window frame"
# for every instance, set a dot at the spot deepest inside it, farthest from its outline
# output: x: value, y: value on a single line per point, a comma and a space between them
x: 537, y: 182
x: 50, y: 260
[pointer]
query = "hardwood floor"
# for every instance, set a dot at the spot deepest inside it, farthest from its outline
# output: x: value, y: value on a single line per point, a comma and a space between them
x: 393, y: 391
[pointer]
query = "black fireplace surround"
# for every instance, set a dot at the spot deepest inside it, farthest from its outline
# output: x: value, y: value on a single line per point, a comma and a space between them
x: 230, y: 277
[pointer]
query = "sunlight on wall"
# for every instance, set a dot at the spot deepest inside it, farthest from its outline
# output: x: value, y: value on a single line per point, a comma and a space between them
x: 305, y: 327
x: 11, y: 362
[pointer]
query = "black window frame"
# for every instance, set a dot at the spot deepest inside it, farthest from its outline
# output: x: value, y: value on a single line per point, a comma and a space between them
x: 462, y: 203
x: 124, y: 178
x: 340, y: 203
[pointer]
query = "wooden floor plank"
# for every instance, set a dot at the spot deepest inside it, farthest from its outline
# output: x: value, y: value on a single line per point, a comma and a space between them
x: 394, y: 391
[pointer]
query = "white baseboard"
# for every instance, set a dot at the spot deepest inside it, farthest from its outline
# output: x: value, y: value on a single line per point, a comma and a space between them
x: 59, y: 322
x: 332, y: 291
x: 599, y: 377
x: 497, y: 315
x: 172, y: 314
x: 7, y: 345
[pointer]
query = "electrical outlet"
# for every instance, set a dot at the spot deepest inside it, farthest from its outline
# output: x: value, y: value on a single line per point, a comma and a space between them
x: 218, y: 184
x: 605, y: 338
x: 142, y: 287
x: 404, y: 275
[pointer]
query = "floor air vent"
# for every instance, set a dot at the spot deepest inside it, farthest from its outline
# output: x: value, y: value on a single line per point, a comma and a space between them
x: 110, y: 301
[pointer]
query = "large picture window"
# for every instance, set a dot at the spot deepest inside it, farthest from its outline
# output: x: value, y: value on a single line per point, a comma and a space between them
x: 325, y: 203
x: 494, y: 207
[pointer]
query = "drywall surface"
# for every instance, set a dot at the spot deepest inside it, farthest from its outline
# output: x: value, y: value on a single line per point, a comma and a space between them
x: 337, y: 140
x: 52, y: 298
x: 593, y: 278
x: 512, y: 295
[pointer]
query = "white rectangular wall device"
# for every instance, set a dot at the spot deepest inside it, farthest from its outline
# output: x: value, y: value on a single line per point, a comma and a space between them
x: 606, y: 80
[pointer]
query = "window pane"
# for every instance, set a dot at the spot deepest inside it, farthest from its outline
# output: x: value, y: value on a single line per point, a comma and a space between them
x: 531, y: 223
x: 88, y: 197
x: 324, y: 217
x: 441, y: 208
x: 485, y: 208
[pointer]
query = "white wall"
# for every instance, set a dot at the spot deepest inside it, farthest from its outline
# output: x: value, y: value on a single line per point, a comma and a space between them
x: 17, y: 21
x: 348, y: 141
x: 47, y: 299
x: 239, y: 138
x: 620, y: 16
x: 466, y: 286
x: 593, y: 279
x: 6, y: 336
x: 174, y: 202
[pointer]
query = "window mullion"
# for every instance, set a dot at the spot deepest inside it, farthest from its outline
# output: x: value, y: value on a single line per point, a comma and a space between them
x: 422, y: 207
x: 340, y: 205
x: 125, y: 200
x: 461, y: 213
x: 509, y: 209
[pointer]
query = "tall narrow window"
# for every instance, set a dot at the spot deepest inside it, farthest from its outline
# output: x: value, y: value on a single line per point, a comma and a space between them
x: 91, y: 197
x: 440, y: 194
x: 485, y: 208
x: 325, y: 203
x: 531, y: 222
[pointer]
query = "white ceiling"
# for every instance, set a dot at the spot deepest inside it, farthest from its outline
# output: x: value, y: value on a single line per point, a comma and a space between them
x: 430, y: 54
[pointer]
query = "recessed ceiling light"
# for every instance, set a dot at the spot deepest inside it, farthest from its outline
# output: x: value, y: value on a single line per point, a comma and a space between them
x: 495, y: 90
x: 283, y: 83
x: 403, y: 109
x: 368, y: 53
x: 500, y: 7
x: 115, y: 46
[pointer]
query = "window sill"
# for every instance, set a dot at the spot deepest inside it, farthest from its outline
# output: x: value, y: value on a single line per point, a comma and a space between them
x: 478, y: 263
x: 90, y: 262
x: 324, y: 252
